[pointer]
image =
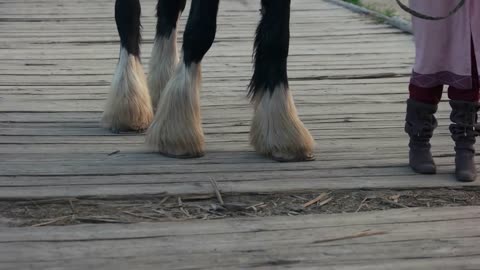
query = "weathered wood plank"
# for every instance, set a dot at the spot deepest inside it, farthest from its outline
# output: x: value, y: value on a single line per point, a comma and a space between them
x: 349, y: 80
x: 445, y: 238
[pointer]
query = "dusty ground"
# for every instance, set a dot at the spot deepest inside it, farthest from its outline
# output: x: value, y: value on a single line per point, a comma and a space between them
x: 164, y: 208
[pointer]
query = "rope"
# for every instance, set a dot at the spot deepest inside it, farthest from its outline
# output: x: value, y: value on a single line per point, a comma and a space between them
x: 427, y: 17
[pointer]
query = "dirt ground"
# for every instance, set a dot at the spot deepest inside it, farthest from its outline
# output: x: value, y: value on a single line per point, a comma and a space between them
x: 164, y: 208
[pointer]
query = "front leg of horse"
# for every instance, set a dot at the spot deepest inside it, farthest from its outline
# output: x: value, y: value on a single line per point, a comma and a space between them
x: 164, y: 57
x: 276, y: 130
x: 128, y: 105
x: 176, y: 130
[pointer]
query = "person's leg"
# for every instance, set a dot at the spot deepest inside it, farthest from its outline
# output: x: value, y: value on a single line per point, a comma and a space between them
x: 464, y: 127
x: 431, y: 95
x: 420, y: 123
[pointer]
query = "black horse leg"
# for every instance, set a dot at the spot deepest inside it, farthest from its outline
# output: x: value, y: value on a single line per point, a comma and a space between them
x: 176, y: 130
x: 276, y: 129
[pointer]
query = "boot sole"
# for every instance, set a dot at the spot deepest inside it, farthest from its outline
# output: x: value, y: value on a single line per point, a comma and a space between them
x: 465, y: 178
x: 427, y: 172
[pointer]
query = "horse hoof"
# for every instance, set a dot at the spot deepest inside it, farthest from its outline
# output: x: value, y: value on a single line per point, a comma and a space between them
x: 115, y: 130
x: 292, y: 158
x: 127, y: 130
x: 182, y: 156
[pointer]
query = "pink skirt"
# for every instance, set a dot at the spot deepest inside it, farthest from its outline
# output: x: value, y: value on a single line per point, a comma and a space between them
x: 444, y: 48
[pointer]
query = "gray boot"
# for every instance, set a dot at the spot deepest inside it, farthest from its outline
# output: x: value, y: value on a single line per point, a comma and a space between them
x: 464, y: 130
x: 420, y: 123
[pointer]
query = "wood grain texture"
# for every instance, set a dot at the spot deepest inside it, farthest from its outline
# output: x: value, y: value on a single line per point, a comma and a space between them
x: 444, y: 238
x: 348, y: 74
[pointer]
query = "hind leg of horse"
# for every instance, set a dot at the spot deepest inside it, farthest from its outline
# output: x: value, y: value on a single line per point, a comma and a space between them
x: 164, y: 54
x: 128, y: 104
x: 276, y: 130
x: 176, y: 130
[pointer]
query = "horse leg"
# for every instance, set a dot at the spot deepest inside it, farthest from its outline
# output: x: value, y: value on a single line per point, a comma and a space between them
x: 164, y: 54
x: 176, y: 130
x: 128, y: 104
x: 276, y: 129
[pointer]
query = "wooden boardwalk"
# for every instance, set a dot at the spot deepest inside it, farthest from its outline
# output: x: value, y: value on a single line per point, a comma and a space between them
x: 349, y: 75
x: 398, y: 240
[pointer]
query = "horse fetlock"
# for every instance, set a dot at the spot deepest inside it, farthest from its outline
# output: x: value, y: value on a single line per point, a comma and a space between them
x: 277, y: 131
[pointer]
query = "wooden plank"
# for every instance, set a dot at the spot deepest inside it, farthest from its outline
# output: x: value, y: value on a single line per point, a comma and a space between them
x: 445, y: 238
x: 349, y: 80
